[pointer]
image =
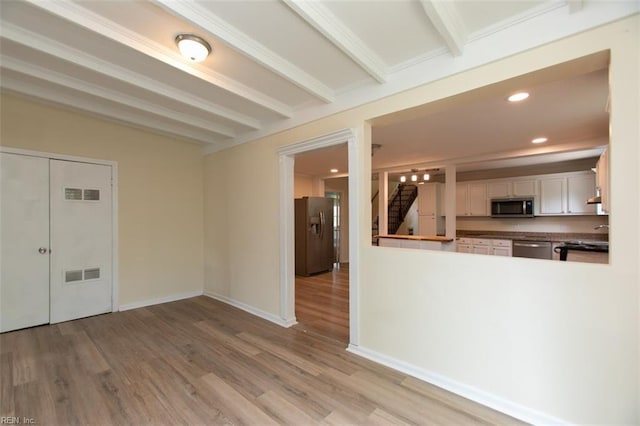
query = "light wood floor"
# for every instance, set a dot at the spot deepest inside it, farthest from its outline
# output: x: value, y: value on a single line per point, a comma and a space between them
x: 322, y: 304
x: 200, y: 361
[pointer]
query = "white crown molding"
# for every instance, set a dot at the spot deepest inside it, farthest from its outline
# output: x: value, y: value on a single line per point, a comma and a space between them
x: 246, y: 45
x: 575, y: 5
x: 515, y: 20
x: 112, y: 95
x: 109, y: 29
x: 69, y: 54
x: 321, y: 18
x: 448, y: 22
x: 87, y: 106
x: 418, y: 60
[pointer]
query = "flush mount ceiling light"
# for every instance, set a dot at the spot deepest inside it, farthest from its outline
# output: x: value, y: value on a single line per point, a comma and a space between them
x: 192, y: 47
x: 517, y: 97
x: 539, y: 140
x: 334, y: 170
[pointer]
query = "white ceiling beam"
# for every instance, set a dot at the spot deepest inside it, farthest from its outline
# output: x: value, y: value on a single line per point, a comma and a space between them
x: 84, y: 60
x: 575, y: 5
x: 79, y: 103
x: 40, y: 73
x: 113, y: 31
x: 448, y: 22
x: 321, y: 18
x: 248, y: 46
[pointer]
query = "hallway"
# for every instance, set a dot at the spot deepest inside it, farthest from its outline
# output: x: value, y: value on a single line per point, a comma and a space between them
x: 322, y: 304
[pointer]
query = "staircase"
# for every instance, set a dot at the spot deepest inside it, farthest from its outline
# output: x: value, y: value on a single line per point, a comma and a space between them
x: 401, y: 201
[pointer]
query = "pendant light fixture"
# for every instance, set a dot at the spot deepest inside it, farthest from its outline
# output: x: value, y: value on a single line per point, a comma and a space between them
x: 192, y: 47
x: 414, y: 176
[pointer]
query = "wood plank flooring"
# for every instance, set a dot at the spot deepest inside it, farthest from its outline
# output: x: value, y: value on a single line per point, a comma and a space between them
x: 322, y: 303
x: 199, y: 361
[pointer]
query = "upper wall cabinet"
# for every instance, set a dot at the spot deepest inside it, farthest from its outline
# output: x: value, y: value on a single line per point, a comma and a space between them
x: 567, y: 194
x: 471, y: 199
x: 511, y: 188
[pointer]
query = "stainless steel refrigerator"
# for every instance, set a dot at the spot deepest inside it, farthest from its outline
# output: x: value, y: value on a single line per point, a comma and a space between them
x: 314, y: 235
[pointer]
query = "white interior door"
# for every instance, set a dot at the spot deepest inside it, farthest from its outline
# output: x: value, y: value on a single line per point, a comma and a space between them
x: 24, y: 241
x: 81, y: 235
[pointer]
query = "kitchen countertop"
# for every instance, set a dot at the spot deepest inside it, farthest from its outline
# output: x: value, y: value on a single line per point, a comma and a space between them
x: 437, y: 238
x: 533, y: 236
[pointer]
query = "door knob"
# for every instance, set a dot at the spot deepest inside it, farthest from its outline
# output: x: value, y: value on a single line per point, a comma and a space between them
x: 42, y: 250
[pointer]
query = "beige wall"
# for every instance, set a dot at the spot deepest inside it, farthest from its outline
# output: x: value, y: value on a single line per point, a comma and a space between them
x: 302, y: 186
x: 544, y: 338
x: 160, y: 192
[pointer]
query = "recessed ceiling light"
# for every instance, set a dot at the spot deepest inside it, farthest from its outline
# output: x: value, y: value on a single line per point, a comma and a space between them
x: 539, y: 140
x: 334, y: 170
x: 193, y: 47
x: 517, y: 97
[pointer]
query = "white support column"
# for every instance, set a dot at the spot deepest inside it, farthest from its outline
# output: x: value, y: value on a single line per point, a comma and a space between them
x: 450, y: 201
x: 383, y: 202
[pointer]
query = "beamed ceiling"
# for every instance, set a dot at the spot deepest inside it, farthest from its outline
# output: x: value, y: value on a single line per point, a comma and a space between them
x: 275, y: 63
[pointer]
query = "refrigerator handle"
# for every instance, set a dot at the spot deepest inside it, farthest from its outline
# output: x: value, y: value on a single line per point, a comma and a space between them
x: 321, y: 225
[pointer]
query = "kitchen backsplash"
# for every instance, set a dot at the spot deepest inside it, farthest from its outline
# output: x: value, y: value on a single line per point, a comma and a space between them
x: 579, y: 224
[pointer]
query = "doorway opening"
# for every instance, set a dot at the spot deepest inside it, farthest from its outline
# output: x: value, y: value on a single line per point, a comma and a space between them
x: 333, y: 294
x: 321, y: 285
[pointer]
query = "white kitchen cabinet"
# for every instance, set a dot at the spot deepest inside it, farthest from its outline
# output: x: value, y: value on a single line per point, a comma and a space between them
x: 524, y: 188
x: 567, y: 195
x: 501, y: 248
x: 552, y: 196
x: 430, y: 219
x: 499, y: 189
x: 481, y: 246
x: 464, y: 245
x: 471, y: 199
x: 579, y: 189
x: 484, y: 246
x: 511, y: 188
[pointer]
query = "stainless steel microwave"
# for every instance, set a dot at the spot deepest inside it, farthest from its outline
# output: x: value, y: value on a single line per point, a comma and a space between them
x: 512, y: 207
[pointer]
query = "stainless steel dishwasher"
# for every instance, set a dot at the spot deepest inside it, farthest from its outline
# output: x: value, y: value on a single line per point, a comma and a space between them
x: 532, y: 249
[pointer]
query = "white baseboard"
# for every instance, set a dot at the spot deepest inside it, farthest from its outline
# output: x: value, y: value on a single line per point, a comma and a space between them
x: 159, y: 300
x: 250, y: 309
x: 499, y: 404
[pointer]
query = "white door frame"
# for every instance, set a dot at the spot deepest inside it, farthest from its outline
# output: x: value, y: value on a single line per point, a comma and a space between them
x: 287, y: 231
x: 114, y: 205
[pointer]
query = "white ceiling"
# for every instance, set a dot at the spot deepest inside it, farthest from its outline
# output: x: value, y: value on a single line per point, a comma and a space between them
x: 481, y: 129
x: 275, y: 63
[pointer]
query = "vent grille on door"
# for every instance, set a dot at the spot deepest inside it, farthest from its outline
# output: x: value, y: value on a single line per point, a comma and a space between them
x: 80, y: 275
x: 92, y: 194
x: 73, y: 194
x: 79, y: 194
x: 92, y: 274
x: 71, y: 276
